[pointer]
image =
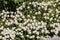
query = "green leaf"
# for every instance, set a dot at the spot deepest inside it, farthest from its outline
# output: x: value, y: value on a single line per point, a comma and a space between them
x: 17, y: 1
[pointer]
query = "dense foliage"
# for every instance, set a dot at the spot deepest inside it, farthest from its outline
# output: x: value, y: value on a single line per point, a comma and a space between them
x: 29, y: 19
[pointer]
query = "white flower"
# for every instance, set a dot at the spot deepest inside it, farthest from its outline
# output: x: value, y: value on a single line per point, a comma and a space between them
x: 7, y: 16
x: 51, y: 19
x: 29, y: 32
x: 36, y: 13
x: 8, y: 31
x: 0, y: 37
x: 23, y: 17
x: 3, y: 11
x: 42, y: 3
x: 13, y: 28
x: 20, y: 7
x: 54, y: 5
x: 42, y: 31
x: 37, y: 37
x: 30, y: 11
x: 1, y: 14
x: 34, y: 17
x: 33, y: 3
x: 56, y: 15
x: 34, y: 31
x: 28, y: 15
x: 26, y: 22
x: 27, y: 35
x: 30, y: 3
x: 33, y: 36
x: 3, y: 38
x: 11, y: 13
x: 37, y: 33
x: 28, y: 7
x: 7, y: 36
x: 46, y: 31
x: 2, y: 27
x: 53, y: 30
x: 42, y: 6
x: 58, y: 20
x: 39, y: 12
x: 46, y: 17
x: 23, y: 6
x: 44, y: 14
x: 36, y: 3
x: 22, y: 36
x: 49, y: 3
x: 17, y: 15
x: 7, y: 12
x: 57, y: 0
x: 39, y: 8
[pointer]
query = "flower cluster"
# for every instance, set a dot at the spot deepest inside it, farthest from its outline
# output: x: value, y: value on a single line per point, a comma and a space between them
x: 8, y: 34
x: 31, y: 21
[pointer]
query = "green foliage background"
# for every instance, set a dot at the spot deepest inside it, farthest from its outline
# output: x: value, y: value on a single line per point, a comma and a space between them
x: 11, y: 5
